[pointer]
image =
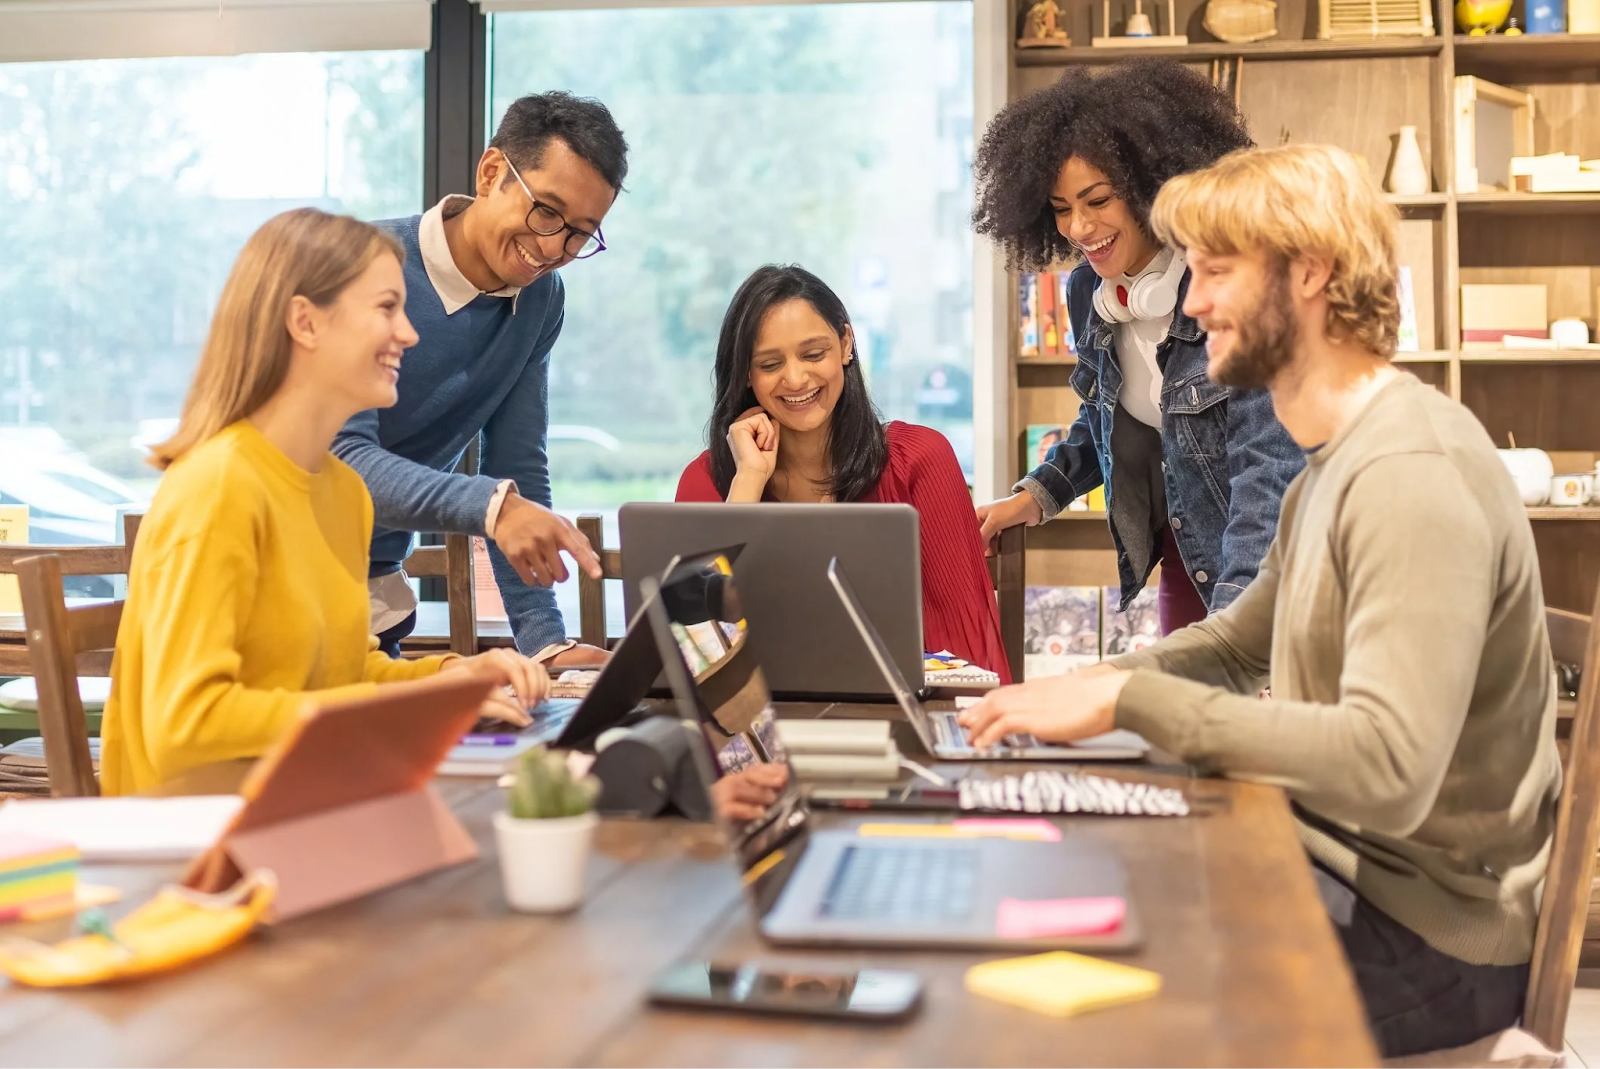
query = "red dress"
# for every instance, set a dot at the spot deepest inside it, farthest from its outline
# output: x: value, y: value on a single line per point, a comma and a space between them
x: 958, y: 606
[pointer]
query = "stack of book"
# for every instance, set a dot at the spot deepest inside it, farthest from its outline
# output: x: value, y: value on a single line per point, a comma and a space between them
x: 36, y: 876
x: 1046, y: 330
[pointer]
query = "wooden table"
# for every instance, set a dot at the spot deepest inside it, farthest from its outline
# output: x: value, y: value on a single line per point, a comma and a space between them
x: 438, y: 971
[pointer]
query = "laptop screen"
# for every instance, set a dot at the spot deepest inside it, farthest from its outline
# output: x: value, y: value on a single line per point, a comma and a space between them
x: 722, y: 688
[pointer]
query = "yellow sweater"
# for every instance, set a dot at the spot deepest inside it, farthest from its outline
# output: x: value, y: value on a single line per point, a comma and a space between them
x: 247, y: 605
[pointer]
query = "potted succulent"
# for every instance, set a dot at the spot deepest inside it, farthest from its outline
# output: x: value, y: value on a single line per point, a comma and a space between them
x: 544, y: 833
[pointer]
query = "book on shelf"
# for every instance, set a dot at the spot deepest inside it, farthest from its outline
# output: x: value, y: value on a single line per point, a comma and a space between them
x: 1070, y: 627
x: 1046, y: 329
x: 1028, y: 294
x: 1061, y: 629
x: 1041, y: 438
x: 1128, y: 632
x: 1409, y: 341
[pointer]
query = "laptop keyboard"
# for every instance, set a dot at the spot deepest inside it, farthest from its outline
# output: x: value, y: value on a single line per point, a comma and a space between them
x: 953, y: 734
x: 902, y: 883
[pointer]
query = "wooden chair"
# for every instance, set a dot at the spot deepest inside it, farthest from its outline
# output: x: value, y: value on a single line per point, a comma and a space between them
x: 1006, y: 570
x: 592, y: 592
x: 15, y: 659
x: 58, y: 638
x: 452, y: 562
x: 1564, y: 909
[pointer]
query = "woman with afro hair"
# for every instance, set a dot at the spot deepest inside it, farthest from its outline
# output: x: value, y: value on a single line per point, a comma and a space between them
x: 1194, y: 470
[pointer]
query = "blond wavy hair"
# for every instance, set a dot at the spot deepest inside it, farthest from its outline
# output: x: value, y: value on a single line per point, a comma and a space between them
x: 300, y: 253
x: 1290, y: 203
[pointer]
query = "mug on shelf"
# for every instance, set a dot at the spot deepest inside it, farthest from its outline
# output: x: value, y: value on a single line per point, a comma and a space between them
x: 1571, y: 491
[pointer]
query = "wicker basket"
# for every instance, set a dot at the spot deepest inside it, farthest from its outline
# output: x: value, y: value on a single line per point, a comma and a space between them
x: 1241, y: 21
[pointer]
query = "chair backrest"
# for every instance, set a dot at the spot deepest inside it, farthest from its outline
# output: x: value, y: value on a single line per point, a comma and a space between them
x: 56, y: 637
x: 15, y: 659
x: 1006, y: 570
x: 1564, y: 909
x: 452, y: 562
x: 592, y: 592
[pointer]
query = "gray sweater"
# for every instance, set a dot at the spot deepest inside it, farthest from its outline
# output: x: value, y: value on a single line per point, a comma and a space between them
x: 1412, y: 717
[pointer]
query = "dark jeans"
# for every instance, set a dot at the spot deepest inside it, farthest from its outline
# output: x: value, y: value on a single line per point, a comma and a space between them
x: 1418, y: 999
x: 1178, y: 603
x: 389, y: 641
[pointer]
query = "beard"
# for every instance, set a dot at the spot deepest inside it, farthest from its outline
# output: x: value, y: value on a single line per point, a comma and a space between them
x: 1265, y: 339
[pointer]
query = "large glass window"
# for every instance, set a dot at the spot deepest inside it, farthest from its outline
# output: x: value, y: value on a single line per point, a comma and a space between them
x: 126, y: 189
x: 836, y: 136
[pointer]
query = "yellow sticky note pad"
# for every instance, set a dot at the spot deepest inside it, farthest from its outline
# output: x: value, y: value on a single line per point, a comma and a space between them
x: 1060, y: 984
x: 910, y: 831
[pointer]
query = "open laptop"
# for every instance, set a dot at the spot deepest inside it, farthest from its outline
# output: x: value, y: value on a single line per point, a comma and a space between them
x: 804, y: 641
x: 941, y: 732
x: 836, y: 887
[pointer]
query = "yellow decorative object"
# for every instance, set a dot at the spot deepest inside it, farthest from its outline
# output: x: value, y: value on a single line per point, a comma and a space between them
x: 1241, y: 21
x: 177, y: 927
x: 1481, y: 17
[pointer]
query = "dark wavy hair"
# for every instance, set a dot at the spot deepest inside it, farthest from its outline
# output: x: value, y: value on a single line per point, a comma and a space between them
x: 1140, y: 123
x: 856, y: 445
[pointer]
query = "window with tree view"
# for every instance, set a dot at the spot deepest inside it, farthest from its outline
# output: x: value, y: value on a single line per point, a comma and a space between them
x: 836, y: 136
x: 127, y: 189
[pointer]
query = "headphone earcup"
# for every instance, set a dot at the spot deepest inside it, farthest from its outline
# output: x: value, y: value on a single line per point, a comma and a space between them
x: 1155, y: 295
x: 1105, y: 301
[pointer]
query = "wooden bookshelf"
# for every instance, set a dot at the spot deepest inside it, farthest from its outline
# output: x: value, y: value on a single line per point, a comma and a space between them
x: 1356, y: 94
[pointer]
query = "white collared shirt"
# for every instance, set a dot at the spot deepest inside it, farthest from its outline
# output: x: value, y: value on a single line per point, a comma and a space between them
x: 455, y: 290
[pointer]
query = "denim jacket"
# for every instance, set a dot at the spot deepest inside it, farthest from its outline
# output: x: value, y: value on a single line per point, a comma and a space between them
x: 1225, y: 458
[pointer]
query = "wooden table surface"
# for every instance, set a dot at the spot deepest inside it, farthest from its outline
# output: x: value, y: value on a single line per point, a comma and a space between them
x: 439, y: 972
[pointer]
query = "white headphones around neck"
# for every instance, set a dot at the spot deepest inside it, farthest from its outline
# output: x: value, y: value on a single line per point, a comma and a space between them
x: 1150, y: 296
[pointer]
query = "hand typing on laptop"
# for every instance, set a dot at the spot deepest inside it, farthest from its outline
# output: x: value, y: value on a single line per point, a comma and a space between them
x: 524, y: 684
x: 1058, y: 709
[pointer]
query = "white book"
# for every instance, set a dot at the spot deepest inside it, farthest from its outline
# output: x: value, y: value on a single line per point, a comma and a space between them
x: 125, y: 829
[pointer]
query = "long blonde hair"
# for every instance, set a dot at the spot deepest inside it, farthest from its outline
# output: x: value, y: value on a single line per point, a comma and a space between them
x: 300, y: 253
x: 1291, y: 202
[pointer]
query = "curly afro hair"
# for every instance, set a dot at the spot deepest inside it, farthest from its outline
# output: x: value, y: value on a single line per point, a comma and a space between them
x: 1140, y: 123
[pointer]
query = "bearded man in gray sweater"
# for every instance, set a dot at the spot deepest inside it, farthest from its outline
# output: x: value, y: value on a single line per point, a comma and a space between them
x: 1398, y: 616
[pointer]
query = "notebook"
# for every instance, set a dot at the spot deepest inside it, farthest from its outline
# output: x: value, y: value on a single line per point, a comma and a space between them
x: 485, y: 756
x: 125, y: 829
x: 1061, y: 984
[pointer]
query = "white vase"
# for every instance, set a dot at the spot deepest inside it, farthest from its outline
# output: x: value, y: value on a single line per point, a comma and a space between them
x: 542, y: 862
x: 1408, y: 174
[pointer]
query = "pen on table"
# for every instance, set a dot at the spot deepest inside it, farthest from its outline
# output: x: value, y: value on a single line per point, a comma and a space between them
x: 488, y: 740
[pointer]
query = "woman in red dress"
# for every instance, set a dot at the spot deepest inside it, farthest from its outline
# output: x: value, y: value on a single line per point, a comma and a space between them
x: 793, y: 422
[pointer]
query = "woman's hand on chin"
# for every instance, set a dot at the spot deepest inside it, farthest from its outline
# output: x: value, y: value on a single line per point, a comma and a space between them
x: 753, y: 439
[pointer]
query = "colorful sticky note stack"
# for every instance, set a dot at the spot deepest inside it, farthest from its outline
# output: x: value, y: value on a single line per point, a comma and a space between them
x: 1061, y: 984
x: 36, y: 875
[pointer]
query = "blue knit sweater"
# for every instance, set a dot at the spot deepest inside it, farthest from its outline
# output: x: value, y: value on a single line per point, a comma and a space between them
x: 483, y: 370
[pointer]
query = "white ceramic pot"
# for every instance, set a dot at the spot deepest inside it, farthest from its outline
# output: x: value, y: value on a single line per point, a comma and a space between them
x: 542, y: 862
x: 1531, y: 470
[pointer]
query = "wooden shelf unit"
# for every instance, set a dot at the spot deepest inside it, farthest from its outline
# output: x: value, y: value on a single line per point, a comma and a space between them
x: 1356, y: 94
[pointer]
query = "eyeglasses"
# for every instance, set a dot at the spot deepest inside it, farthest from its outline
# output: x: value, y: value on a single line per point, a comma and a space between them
x: 547, y: 222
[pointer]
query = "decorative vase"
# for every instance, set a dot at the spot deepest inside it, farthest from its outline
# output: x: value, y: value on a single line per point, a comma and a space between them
x: 542, y: 862
x: 1408, y: 174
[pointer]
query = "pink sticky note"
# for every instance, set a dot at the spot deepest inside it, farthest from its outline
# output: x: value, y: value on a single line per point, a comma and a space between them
x: 1042, y: 830
x: 1020, y: 918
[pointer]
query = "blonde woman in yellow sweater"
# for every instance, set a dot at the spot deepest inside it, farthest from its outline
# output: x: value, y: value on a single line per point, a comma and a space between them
x: 247, y: 598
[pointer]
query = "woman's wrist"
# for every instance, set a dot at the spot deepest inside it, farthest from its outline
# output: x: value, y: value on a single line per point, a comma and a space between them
x: 747, y: 488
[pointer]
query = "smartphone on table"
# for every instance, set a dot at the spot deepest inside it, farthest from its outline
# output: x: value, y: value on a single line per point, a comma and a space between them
x: 747, y: 987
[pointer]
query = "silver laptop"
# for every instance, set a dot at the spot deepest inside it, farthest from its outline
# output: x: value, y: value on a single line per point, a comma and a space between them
x: 806, y: 646
x: 941, y: 732
x: 835, y: 887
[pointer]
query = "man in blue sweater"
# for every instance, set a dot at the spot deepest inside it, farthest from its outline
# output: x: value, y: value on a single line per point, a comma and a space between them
x: 483, y: 294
